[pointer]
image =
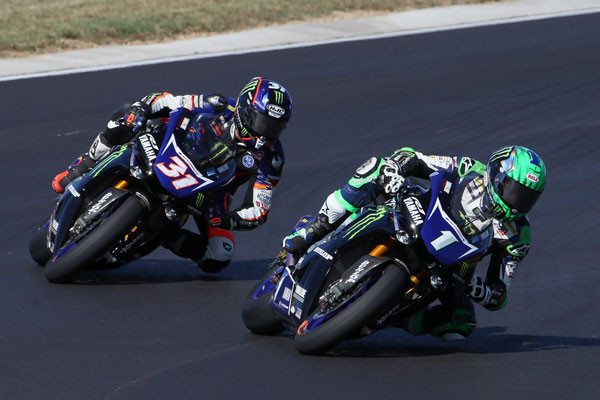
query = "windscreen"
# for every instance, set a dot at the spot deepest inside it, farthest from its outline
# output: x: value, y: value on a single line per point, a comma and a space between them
x: 207, y: 142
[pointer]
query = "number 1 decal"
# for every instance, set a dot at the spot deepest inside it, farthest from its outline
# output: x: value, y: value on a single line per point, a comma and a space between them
x: 444, y: 240
x: 176, y: 169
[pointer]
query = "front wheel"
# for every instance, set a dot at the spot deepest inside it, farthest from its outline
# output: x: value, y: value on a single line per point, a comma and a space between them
x: 256, y: 311
x: 98, y: 242
x: 38, y: 245
x: 330, y: 323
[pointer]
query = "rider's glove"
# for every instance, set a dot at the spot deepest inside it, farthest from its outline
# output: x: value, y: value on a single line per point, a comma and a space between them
x: 136, y: 115
x: 240, y: 224
x: 478, y: 290
x: 390, y: 178
x: 218, y: 102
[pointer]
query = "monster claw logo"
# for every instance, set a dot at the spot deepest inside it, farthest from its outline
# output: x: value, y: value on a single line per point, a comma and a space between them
x: 278, y: 97
x: 250, y: 86
x: 502, y: 153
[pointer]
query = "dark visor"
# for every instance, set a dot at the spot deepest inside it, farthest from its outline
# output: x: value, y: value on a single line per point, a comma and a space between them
x: 516, y: 195
x: 262, y: 125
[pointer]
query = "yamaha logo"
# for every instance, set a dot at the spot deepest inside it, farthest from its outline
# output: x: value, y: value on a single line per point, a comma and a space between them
x: 415, y: 209
x: 149, y: 146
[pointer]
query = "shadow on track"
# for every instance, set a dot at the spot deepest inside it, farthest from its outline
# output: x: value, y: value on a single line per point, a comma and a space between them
x: 151, y: 271
x: 487, y: 340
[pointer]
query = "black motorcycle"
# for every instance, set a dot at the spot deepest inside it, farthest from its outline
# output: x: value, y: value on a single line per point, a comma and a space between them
x: 387, y: 263
x: 136, y: 197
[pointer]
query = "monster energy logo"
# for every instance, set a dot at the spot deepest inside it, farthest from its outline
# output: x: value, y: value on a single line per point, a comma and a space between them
x: 104, y: 163
x: 199, y: 200
x: 464, y: 268
x: 502, y: 153
x: 278, y: 97
x: 359, y: 226
x: 250, y: 86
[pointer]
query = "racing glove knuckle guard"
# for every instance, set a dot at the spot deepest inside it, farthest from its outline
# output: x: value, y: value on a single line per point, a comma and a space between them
x: 390, y: 177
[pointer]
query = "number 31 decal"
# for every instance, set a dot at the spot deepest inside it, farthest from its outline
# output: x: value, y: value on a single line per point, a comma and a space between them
x: 176, y: 169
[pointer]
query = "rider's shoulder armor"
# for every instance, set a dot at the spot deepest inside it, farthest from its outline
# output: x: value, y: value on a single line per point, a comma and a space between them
x: 367, y: 168
x: 467, y: 165
x: 366, y: 173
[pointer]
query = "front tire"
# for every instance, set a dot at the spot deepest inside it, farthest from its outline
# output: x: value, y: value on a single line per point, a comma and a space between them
x: 256, y: 311
x: 38, y: 245
x: 313, y: 337
x: 100, y: 240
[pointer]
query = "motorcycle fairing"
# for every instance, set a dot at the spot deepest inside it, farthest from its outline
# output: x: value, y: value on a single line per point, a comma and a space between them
x: 442, y: 236
x: 292, y: 296
x: 176, y: 171
x: 69, y: 203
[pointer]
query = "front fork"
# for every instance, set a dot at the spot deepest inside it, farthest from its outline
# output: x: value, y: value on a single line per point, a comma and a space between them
x: 379, y: 251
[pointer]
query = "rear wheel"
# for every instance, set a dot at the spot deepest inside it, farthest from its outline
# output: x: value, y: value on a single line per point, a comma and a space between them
x: 331, y: 323
x: 99, y: 241
x: 256, y: 311
x: 38, y: 245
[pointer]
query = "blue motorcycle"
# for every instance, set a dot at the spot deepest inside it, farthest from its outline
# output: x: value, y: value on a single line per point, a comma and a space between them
x: 385, y: 264
x: 136, y: 196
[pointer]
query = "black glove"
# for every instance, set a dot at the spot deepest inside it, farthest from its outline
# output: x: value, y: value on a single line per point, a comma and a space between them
x: 218, y: 102
x: 136, y: 115
x: 240, y: 224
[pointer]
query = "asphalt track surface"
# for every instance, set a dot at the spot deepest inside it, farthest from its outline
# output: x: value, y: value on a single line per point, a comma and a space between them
x: 160, y: 328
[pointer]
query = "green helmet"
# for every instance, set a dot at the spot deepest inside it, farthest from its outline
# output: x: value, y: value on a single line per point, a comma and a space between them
x: 514, y: 179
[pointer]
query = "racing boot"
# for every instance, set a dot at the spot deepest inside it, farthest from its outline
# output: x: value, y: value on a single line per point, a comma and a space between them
x: 298, y: 242
x: 219, y: 250
x: 186, y: 244
x: 212, y: 254
x: 80, y: 166
x: 453, y: 319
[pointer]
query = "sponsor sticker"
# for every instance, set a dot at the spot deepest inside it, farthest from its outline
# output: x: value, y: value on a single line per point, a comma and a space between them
x: 415, y: 209
x: 275, y: 111
x: 96, y: 207
x: 323, y: 253
x: 300, y: 291
x: 184, y: 123
x: 352, y: 278
x: 248, y: 161
x: 447, y: 187
x: 73, y: 191
x: 532, y: 178
x: 149, y: 146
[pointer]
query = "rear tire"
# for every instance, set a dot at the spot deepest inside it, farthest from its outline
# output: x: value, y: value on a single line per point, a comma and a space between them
x: 38, y: 245
x: 256, y: 311
x: 99, y: 241
x: 358, y: 314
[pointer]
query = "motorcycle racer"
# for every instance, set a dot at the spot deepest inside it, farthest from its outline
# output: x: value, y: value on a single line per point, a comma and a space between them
x: 255, y: 121
x: 500, y: 193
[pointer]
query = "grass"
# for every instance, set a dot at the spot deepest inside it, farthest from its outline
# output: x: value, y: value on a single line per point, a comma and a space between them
x: 32, y: 27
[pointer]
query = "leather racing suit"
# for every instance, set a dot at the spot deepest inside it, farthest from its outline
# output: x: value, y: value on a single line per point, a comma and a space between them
x: 258, y: 164
x: 455, y: 315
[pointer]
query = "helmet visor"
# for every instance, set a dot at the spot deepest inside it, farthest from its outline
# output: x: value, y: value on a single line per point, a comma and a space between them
x: 262, y: 125
x: 517, y: 196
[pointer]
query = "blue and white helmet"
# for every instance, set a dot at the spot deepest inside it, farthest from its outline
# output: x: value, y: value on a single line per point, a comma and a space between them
x: 263, y: 110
